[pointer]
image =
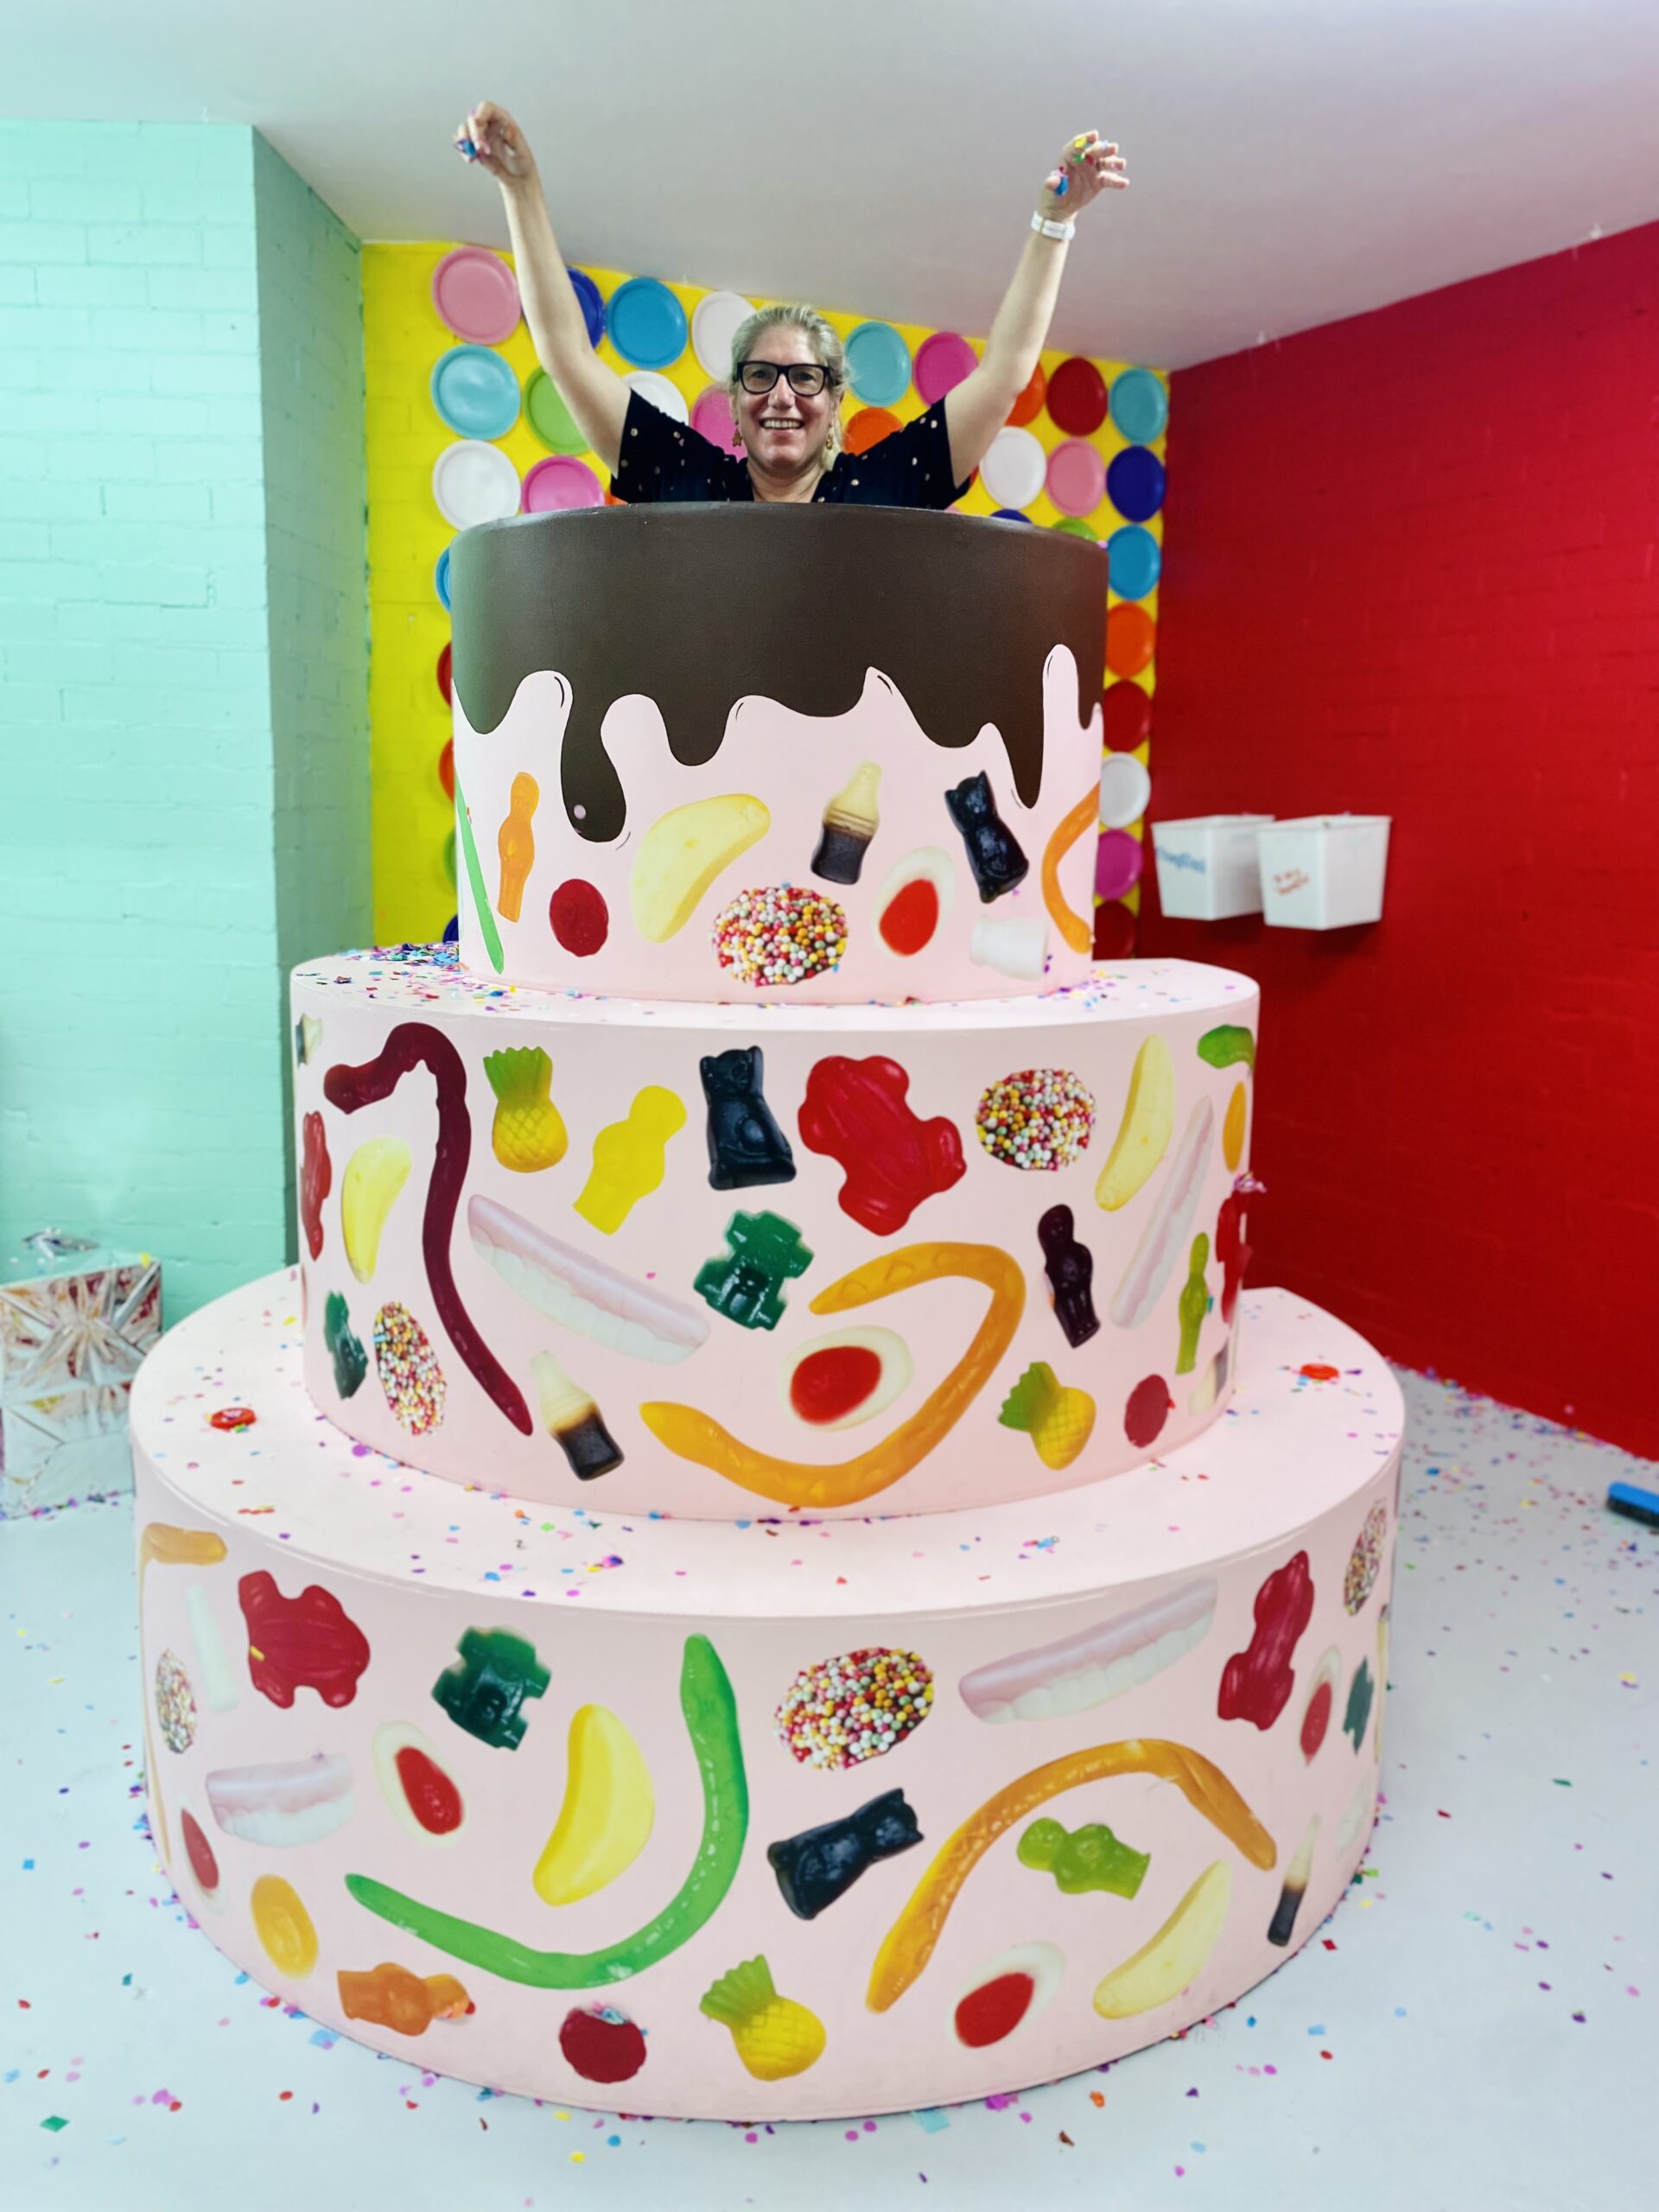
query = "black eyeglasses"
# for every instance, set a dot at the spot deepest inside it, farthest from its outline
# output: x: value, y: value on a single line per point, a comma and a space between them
x: 807, y: 378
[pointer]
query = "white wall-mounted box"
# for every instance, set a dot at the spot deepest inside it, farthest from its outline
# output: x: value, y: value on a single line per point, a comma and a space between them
x: 1207, y: 867
x: 1323, y: 871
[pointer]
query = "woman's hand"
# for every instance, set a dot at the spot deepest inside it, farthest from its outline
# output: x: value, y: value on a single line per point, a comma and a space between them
x: 498, y: 146
x: 1089, y: 166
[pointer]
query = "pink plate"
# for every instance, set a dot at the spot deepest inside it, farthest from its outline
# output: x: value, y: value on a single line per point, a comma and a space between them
x: 942, y: 362
x: 1077, y: 477
x: 559, y: 482
x: 476, y: 294
x: 712, y: 416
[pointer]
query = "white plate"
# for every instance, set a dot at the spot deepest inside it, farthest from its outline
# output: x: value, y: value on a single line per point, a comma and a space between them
x: 1015, y: 468
x: 715, y: 321
x: 473, y: 482
x: 660, y: 391
x: 1125, y: 788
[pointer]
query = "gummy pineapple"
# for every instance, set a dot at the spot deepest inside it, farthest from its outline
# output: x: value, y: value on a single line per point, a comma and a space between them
x: 1058, y: 1420
x: 528, y: 1132
x: 775, y: 2037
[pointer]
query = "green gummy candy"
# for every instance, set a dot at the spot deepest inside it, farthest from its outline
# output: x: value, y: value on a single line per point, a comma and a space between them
x: 1360, y: 1692
x: 1090, y: 1857
x: 1226, y: 1046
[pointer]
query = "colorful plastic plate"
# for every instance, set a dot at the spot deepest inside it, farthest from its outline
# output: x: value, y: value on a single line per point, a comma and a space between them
x: 1073, y: 527
x: 1134, y: 483
x: 593, y: 308
x: 1118, y: 859
x: 441, y: 579
x: 1013, y: 469
x: 476, y: 392
x: 1077, y: 477
x: 1076, y: 397
x: 549, y: 417
x: 1126, y: 717
x: 1029, y: 405
x: 942, y: 362
x: 1125, y: 790
x: 878, y: 363
x: 1115, y: 929
x: 715, y: 321
x: 647, y: 323
x: 711, y: 417
x: 1131, y: 639
x: 446, y: 681
x: 559, y: 483
x: 1009, y: 514
x: 473, y: 483
x: 1139, y: 406
x: 659, y: 392
x: 476, y: 296
x: 869, y: 427
x: 1135, y: 561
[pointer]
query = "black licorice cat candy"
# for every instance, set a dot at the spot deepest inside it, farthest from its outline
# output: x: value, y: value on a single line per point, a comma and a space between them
x: 822, y: 1863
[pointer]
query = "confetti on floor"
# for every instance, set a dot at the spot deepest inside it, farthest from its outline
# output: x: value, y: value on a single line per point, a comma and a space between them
x: 1492, y: 1970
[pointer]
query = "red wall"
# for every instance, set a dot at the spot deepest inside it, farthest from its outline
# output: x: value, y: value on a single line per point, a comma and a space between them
x: 1412, y: 570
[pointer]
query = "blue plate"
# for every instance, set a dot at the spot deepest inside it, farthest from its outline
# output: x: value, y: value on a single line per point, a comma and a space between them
x: 441, y: 579
x: 878, y: 363
x: 647, y: 323
x: 593, y: 308
x: 1134, y: 483
x: 476, y: 392
x: 1135, y: 559
x: 1008, y: 514
x: 1139, y: 406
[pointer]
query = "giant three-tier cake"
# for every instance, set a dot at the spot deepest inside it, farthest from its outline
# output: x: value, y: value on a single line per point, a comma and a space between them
x: 765, y: 1563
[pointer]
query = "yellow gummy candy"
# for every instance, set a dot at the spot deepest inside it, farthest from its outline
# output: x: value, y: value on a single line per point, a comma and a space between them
x: 528, y: 1132
x: 1232, y: 1129
x: 629, y: 1158
x: 683, y: 851
x: 775, y: 2037
x: 516, y: 842
x: 375, y: 1173
x: 606, y: 1820
x: 1174, y: 1958
x: 283, y: 1926
x: 1144, y: 1134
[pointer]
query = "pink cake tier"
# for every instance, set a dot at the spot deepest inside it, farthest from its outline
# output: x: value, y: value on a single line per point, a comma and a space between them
x: 725, y: 1259
x: 842, y: 755
x: 759, y: 1820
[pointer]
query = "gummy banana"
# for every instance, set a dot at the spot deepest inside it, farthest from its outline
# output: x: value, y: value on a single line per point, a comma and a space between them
x: 1176, y: 1956
x: 683, y: 851
x: 375, y: 1173
x: 608, y: 1811
x: 1143, y: 1136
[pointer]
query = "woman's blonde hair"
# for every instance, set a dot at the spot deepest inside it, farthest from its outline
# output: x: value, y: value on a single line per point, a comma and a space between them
x: 825, y: 342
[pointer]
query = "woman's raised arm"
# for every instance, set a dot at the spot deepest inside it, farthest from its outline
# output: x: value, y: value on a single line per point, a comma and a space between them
x: 978, y: 406
x: 596, y: 396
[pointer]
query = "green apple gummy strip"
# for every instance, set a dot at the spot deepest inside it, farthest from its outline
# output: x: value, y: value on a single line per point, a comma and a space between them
x: 475, y: 877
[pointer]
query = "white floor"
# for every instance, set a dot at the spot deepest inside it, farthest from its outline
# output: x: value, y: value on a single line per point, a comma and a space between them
x: 1475, y: 2027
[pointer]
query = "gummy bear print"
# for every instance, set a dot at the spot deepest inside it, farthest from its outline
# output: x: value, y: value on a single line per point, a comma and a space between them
x: 1085, y: 1859
x: 855, y: 1112
x: 1255, y: 1683
x: 746, y: 1145
x: 305, y: 1642
x: 390, y: 1996
x: 994, y: 853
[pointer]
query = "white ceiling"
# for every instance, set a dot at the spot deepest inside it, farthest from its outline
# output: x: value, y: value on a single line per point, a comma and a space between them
x: 1293, y: 161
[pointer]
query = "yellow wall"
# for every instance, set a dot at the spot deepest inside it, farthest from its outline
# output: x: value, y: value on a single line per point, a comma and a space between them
x: 413, y: 851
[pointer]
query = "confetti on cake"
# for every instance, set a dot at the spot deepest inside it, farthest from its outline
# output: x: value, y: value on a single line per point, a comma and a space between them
x: 409, y: 1374
x: 779, y: 934
x: 854, y: 1707
x: 1040, y: 1118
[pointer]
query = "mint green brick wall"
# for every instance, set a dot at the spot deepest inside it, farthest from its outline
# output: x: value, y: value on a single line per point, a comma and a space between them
x: 154, y: 834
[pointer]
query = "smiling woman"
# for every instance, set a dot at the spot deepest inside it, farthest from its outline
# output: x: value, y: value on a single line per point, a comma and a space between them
x: 787, y: 373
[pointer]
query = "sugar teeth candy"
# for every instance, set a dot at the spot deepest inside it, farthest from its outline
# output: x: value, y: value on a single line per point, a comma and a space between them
x: 423, y: 1796
x: 1194, y: 1305
x: 343, y: 1347
x: 484, y: 1691
x: 573, y: 1421
x: 581, y: 1292
x: 1321, y: 1702
x: 746, y: 1145
x: 1143, y: 1135
x: 854, y: 1707
x: 994, y: 853
x: 1089, y: 1858
x: 316, y: 1181
x: 851, y: 821
x: 745, y: 1285
x: 1058, y: 1420
x: 375, y: 1173
x: 821, y: 1864
x: 629, y: 1158
x: 305, y: 1642
x: 913, y: 902
x: 1290, y: 1897
x: 774, y: 2036
x: 608, y: 1812
x: 1097, y: 1663
x: 516, y: 842
x: 528, y: 1132
x: 390, y: 1996
x: 1167, y: 1225
x: 1070, y: 1268
x: 286, y: 1932
x: 1174, y: 1958
x: 1256, y: 1683
x: 602, y: 2044
x: 856, y: 1113
x: 683, y: 851
x: 1007, y: 1992
x: 844, y: 1379
x: 287, y: 1804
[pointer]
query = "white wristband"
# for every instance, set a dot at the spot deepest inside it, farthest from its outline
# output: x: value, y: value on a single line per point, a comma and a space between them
x: 1061, y: 230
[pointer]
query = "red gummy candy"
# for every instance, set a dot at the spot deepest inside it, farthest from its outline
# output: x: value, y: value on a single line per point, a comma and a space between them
x: 1255, y: 1684
x: 1147, y: 1412
x: 230, y: 1419
x: 854, y: 1112
x: 316, y: 1181
x: 995, y: 2009
x: 432, y: 1797
x: 601, y: 2049
x: 1232, y: 1252
x: 203, y: 1865
x: 579, y: 917
x: 1317, y: 1719
x: 828, y: 1384
x: 305, y: 1642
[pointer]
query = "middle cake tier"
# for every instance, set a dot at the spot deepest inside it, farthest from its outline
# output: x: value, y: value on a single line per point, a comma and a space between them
x: 732, y: 1260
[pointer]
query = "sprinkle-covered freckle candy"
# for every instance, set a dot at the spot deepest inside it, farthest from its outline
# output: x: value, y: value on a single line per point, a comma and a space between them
x: 782, y: 934
x: 854, y: 1707
x: 409, y: 1374
x: 1366, y: 1559
x: 175, y: 1703
x: 1040, y: 1118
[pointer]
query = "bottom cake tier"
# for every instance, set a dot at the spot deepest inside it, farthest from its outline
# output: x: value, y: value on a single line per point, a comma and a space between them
x: 769, y: 1819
